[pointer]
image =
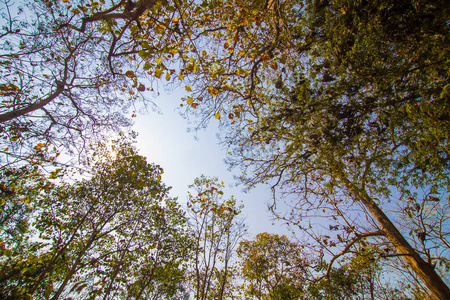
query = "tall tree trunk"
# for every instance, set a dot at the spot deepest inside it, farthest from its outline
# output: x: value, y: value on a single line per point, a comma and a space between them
x: 423, y: 270
x: 75, y: 266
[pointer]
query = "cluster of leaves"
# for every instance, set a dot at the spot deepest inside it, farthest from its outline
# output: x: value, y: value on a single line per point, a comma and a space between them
x: 343, y: 105
x: 72, y: 71
x: 117, y: 235
x: 114, y: 234
x: 273, y: 267
x: 216, y: 229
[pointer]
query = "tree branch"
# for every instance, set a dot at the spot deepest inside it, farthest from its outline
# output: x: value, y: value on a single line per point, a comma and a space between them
x: 35, y: 106
x: 349, y: 245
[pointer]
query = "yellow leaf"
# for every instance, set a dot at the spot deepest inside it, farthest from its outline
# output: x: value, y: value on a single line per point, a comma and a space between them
x: 39, y: 146
x: 265, y: 56
x: 158, y: 73
x: 196, y: 69
x: 167, y: 76
x: 217, y: 115
x: 158, y: 60
x: 213, y: 91
x: 188, y: 88
x: 190, y: 100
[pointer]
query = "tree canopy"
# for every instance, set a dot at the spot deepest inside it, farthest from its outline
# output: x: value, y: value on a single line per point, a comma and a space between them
x: 274, y: 268
x: 341, y: 105
x: 115, y: 234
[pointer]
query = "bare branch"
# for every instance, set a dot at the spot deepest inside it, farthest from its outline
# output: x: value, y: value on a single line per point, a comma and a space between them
x: 354, y: 240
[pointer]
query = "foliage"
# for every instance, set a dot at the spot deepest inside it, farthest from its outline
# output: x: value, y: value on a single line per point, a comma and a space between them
x: 19, y: 258
x: 362, y: 275
x: 274, y: 267
x: 73, y: 70
x: 342, y: 104
x: 114, y: 234
x: 216, y: 230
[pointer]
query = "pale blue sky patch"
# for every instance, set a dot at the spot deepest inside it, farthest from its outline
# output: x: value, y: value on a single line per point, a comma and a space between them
x: 164, y: 139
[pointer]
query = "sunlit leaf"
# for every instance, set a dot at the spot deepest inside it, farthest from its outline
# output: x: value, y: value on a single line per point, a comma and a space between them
x: 130, y: 74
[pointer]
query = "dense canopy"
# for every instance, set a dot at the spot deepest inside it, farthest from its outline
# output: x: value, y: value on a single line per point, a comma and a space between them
x: 342, y: 106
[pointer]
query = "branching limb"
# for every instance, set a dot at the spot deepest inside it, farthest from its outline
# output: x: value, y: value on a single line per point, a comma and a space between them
x: 104, y: 15
x: 349, y: 245
x: 35, y: 106
x: 131, y: 13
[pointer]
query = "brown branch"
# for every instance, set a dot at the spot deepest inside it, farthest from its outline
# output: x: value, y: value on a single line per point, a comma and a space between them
x: 113, y: 45
x: 35, y: 106
x: 96, y: 17
x: 353, y: 241
x: 133, y: 15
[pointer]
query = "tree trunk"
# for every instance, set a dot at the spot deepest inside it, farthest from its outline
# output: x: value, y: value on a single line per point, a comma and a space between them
x: 75, y: 266
x: 423, y: 270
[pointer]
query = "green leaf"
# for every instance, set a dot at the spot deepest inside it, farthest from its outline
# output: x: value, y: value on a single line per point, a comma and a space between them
x: 147, y: 66
x: 48, y: 291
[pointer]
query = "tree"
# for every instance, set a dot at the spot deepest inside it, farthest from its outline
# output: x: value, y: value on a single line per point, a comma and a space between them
x: 51, y: 80
x: 19, y: 253
x: 216, y: 230
x: 362, y: 275
x: 331, y: 99
x: 115, y: 233
x: 274, y: 267
x: 424, y: 218
x: 351, y: 96
x: 73, y: 70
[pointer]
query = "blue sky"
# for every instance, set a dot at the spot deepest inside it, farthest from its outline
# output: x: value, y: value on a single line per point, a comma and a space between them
x: 164, y: 139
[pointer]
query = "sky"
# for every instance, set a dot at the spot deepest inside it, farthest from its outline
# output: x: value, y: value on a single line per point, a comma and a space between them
x: 164, y: 139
